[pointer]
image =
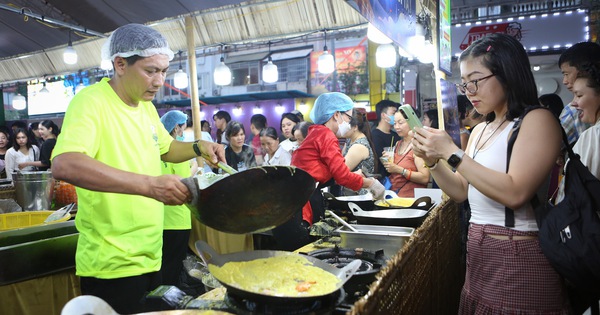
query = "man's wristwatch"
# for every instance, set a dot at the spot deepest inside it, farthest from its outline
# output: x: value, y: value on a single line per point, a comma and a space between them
x: 455, y: 159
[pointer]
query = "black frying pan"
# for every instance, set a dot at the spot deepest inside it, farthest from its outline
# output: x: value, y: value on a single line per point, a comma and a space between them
x: 253, y: 200
x: 213, y: 258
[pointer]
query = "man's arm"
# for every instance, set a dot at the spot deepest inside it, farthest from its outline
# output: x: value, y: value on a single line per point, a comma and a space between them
x: 85, y: 172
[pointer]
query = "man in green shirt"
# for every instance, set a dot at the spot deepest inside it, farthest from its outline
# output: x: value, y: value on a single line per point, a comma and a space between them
x: 111, y: 148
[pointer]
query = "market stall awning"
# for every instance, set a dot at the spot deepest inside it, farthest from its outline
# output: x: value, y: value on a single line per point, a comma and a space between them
x: 262, y: 96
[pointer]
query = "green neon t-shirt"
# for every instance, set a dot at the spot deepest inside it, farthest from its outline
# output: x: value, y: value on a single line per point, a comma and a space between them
x: 177, y: 217
x: 120, y: 235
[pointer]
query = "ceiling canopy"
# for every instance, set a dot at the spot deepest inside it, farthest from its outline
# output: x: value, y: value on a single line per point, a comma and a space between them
x: 30, y: 48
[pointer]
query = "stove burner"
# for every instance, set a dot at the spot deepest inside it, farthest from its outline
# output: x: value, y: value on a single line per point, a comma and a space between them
x: 358, y: 285
x: 285, y: 306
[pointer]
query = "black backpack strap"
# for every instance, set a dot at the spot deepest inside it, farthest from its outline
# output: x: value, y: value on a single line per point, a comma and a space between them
x: 509, y: 214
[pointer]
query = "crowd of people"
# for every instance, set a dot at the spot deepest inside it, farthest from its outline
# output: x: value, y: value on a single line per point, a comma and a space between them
x: 27, y: 148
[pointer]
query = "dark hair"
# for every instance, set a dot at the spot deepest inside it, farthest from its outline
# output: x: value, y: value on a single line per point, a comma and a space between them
x: 463, y: 104
x: 50, y: 124
x: 15, y: 145
x: 133, y: 59
x: 432, y: 114
x: 580, y: 54
x: 34, y: 125
x: 6, y: 133
x: 259, y: 121
x: 359, y: 120
x: 303, y: 127
x: 233, y: 128
x: 204, y: 122
x: 506, y: 58
x: 382, y: 106
x: 269, y: 132
x: 553, y: 102
x: 289, y: 116
x: 222, y: 115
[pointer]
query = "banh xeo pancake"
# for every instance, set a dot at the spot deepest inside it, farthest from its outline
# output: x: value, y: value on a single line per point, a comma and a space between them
x: 396, y: 202
x: 285, y: 276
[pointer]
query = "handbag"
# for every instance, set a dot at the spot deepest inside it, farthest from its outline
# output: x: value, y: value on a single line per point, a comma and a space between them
x: 569, y: 232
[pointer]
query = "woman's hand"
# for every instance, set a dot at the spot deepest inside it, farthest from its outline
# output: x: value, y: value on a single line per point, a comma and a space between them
x: 22, y: 165
x: 432, y: 144
x: 392, y: 168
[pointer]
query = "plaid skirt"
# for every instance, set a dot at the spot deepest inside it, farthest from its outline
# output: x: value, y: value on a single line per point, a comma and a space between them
x: 509, y: 276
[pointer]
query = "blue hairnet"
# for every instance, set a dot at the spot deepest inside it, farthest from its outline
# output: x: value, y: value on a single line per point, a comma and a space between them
x: 135, y: 39
x: 172, y: 119
x: 327, y: 104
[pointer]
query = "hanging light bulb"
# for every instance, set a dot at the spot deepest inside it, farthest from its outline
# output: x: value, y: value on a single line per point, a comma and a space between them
x: 416, y: 42
x: 326, y: 63
x: 270, y: 74
x: 279, y: 109
x: 428, y: 54
x: 385, y: 56
x: 237, y: 111
x: 19, y: 102
x: 70, y: 55
x: 106, y: 64
x: 180, y: 79
x: 377, y: 36
x: 257, y: 110
x: 222, y: 74
x: 44, y: 89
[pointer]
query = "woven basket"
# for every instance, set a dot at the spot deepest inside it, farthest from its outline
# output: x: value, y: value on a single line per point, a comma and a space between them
x: 426, y: 275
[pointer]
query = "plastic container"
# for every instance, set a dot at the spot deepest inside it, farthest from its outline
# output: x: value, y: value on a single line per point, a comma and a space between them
x: 17, y: 220
x: 34, y: 190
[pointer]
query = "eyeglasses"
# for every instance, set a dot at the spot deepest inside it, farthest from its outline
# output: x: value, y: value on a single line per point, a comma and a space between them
x: 347, y: 115
x: 471, y: 86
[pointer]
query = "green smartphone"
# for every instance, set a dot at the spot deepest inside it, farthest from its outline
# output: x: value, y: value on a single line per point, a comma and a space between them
x: 412, y: 118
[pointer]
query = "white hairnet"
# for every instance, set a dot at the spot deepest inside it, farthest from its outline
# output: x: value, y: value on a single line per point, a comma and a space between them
x: 327, y: 104
x: 172, y: 119
x: 135, y: 39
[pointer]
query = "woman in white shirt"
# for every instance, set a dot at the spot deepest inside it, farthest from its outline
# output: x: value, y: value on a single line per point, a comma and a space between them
x: 275, y: 154
x: 22, y: 151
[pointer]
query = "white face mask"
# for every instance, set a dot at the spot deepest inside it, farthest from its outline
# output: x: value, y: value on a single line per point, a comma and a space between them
x: 343, y: 128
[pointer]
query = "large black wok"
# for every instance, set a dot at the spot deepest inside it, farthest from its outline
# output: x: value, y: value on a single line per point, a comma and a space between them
x: 394, y: 217
x: 210, y: 257
x: 253, y: 200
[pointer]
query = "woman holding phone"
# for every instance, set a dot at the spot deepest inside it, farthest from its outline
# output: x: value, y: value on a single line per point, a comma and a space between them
x: 406, y: 170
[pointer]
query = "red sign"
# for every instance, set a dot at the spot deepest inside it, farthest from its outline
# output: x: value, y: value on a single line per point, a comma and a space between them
x: 477, y: 32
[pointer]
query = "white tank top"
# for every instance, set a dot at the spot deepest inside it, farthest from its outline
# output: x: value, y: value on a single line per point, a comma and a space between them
x: 485, y: 210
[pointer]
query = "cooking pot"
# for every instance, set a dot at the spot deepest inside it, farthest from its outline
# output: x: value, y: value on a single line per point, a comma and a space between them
x: 253, y: 200
x: 390, y: 202
x: 395, y: 217
x: 211, y: 257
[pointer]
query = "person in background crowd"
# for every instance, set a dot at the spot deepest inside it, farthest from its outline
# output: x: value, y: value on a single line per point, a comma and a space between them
x: 18, y: 125
x: 205, y: 126
x: 430, y: 118
x: 358, y: 150
x: 239, y: 155
x: 506, y: 270
x: 553, y: 102
x: 49, y: 132
x: 300, y: 131
x: 321, y: 157
x: 299, y: 114
x: 177, y: 218
x: 258, y: 122
x: 383, y: 135
x: 274, y: 153
x: 570, y: 63
x: 4, y: 146
x: 463, y: 105
x: 221, y: 119
x: 111, y: 149
x: 22, y: 151
x: 407, y: 171
x: 35, y: 132
x: 287, y: 140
